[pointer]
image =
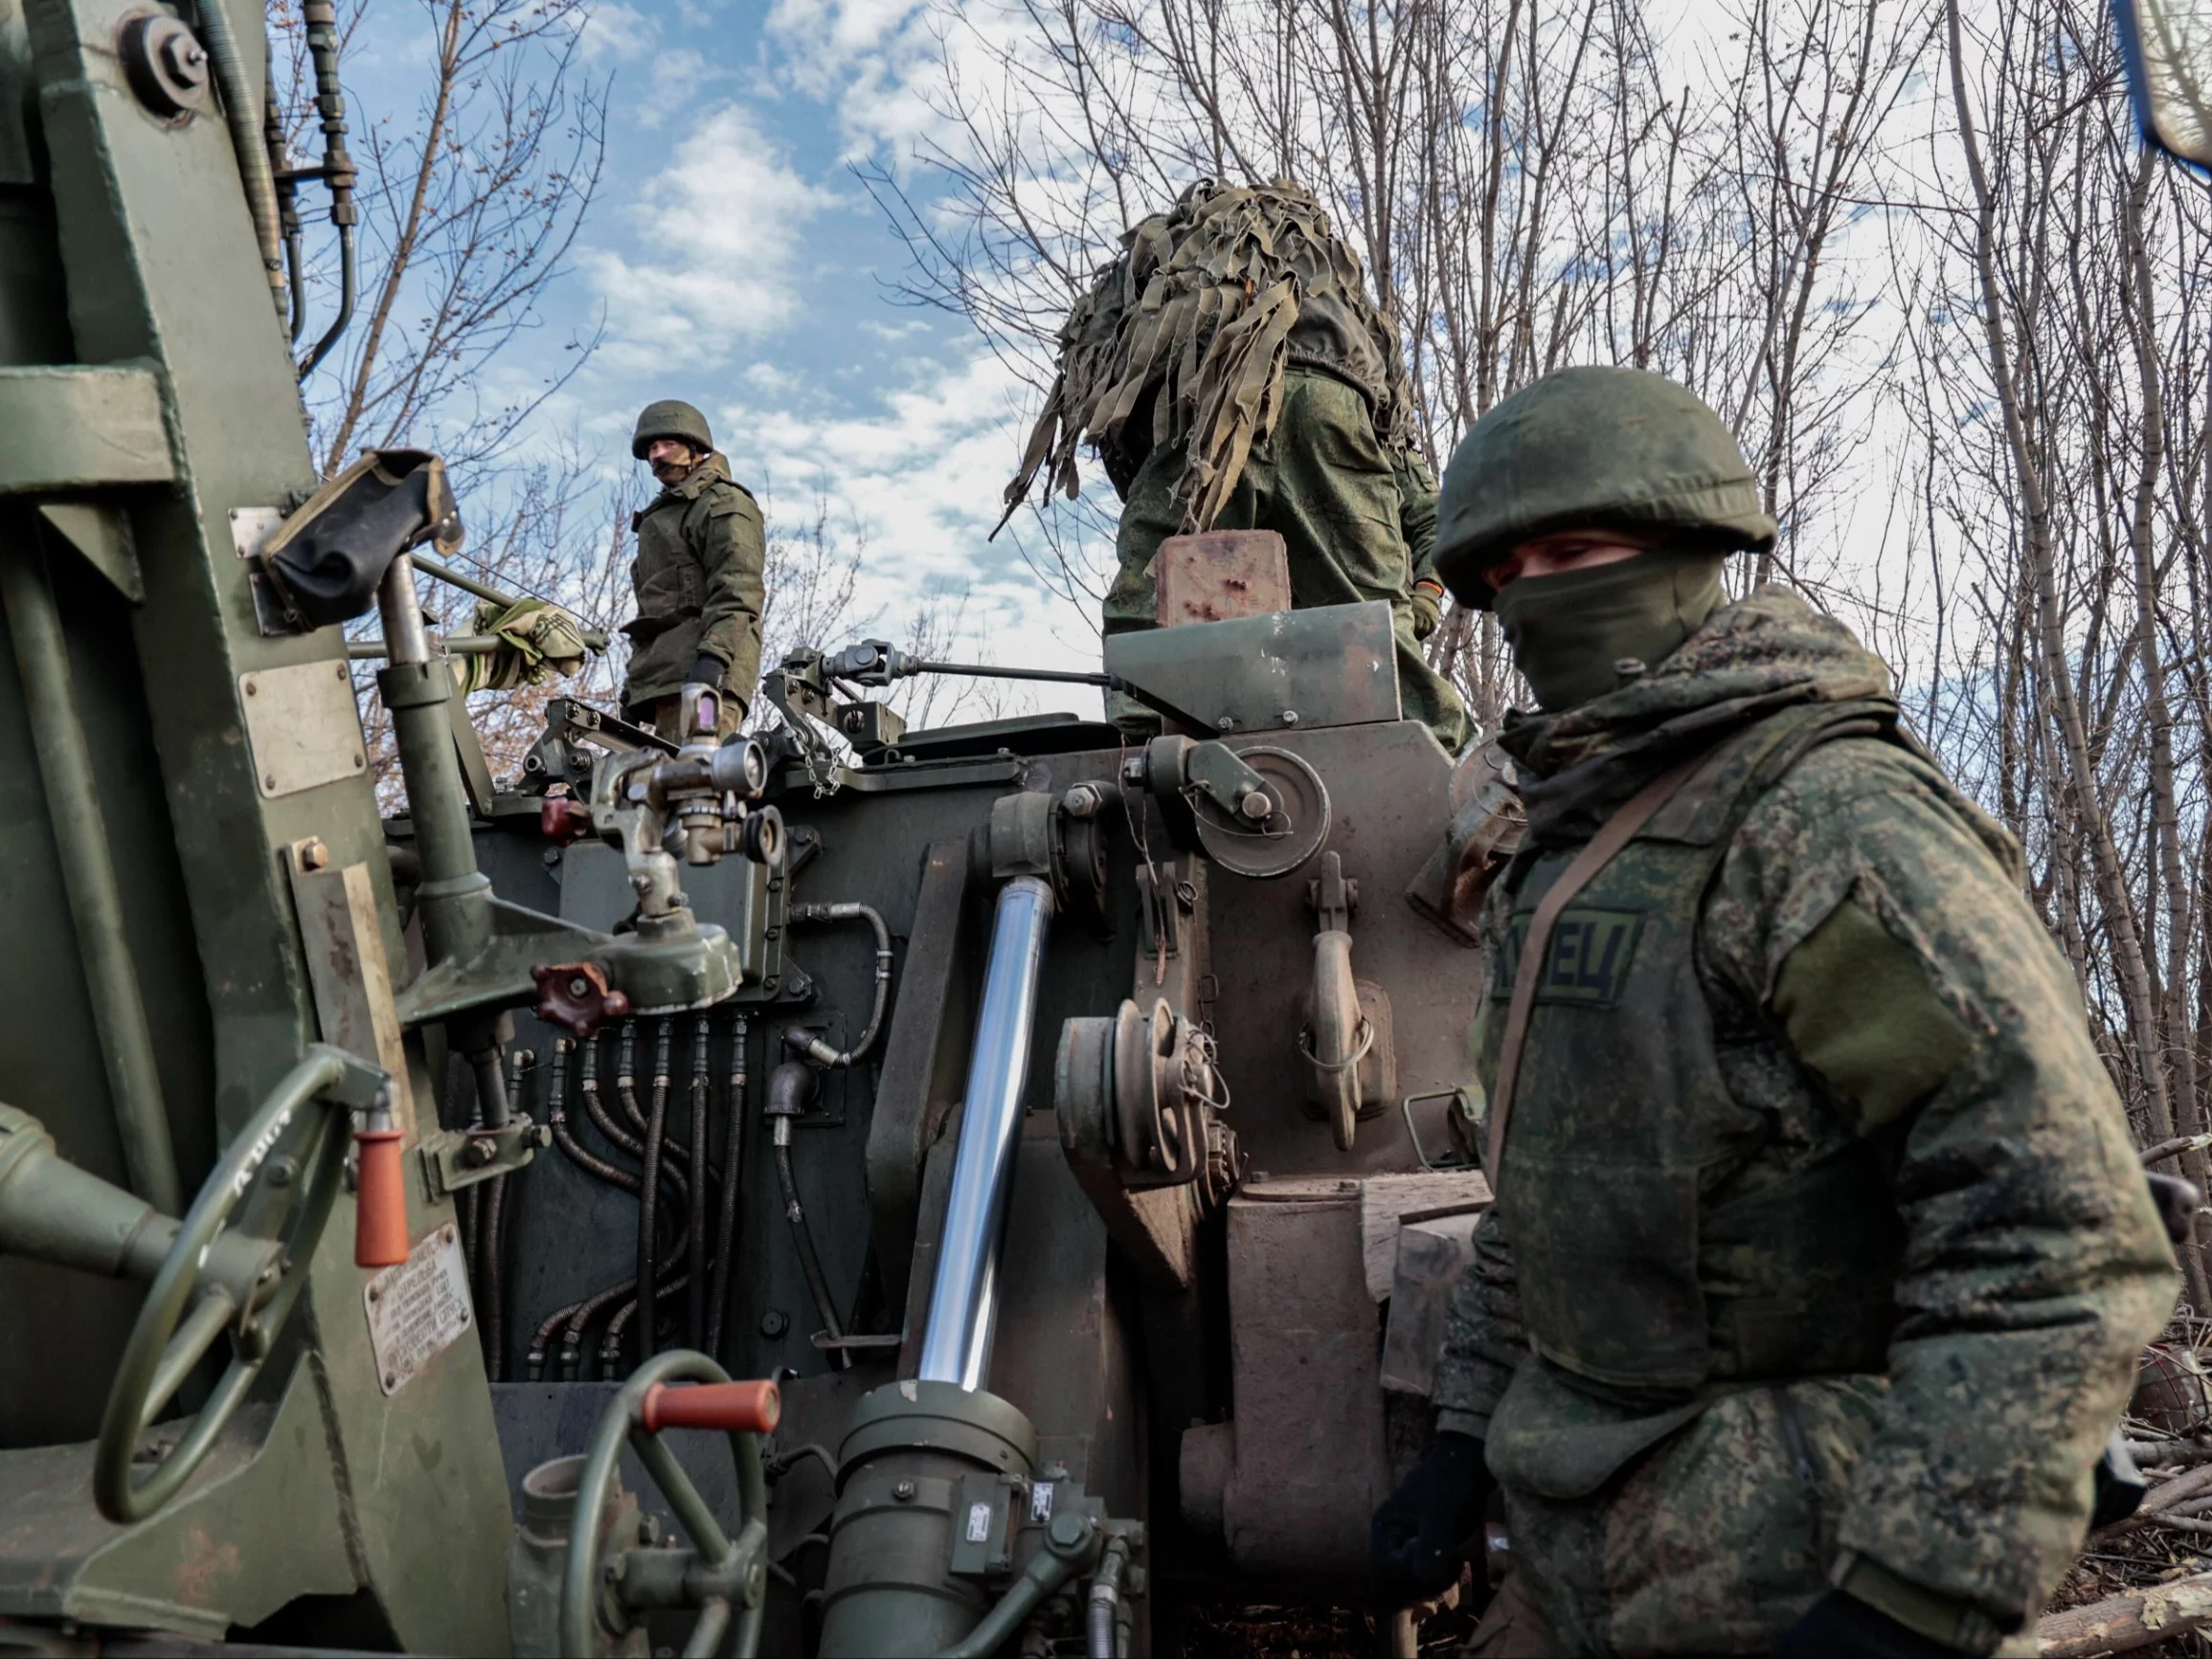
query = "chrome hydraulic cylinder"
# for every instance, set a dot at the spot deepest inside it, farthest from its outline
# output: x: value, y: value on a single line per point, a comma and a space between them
x: 964, y: 1298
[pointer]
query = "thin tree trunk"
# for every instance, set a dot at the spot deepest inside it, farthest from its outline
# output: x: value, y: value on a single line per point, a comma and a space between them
x: 2134, y: 972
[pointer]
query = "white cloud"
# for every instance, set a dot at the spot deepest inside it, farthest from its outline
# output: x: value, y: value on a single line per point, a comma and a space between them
x: 679, y: 77
x: 613, y: 29
x: 718, y: 236
x: 877, y: 59
x: 919, y: 475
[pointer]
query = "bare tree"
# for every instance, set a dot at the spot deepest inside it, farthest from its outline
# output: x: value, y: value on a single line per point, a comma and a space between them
x: 2060, y: 381
x: 1524, y: 189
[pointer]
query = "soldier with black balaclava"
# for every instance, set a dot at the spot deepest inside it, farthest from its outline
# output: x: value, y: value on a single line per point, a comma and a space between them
x: 1821, y: 1258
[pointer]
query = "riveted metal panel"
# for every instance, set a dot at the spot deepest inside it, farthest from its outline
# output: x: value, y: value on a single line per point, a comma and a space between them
x: 303, y: 724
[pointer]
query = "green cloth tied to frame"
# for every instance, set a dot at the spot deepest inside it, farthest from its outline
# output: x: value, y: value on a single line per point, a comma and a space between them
x: 537, y: 640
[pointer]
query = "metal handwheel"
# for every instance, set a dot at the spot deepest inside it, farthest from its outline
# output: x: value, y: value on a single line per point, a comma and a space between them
x: 162, y: 1351
x: 725, y: 1578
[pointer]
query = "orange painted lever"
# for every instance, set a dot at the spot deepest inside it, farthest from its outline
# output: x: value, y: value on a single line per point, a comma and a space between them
x: 734, y: 1406
x: 380, y: 1214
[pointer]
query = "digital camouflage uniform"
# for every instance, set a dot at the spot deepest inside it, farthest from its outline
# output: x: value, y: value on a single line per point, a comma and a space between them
x: 697, y: 576
x: 1822, y: 1255
x: 1232, y: 375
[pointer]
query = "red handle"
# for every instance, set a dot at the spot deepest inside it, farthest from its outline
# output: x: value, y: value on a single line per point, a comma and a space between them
x: 756, y: 1406
x: 381, y: 1213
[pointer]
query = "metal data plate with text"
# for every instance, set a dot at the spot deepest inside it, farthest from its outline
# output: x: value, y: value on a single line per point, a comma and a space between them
x: 418, y: 1308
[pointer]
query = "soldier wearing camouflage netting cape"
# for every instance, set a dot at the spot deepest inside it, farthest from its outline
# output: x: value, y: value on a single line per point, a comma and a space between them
x: 1233, y: 374
x: 1820, y: 1257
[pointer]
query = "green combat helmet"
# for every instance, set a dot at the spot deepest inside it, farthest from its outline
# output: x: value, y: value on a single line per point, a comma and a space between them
x: 672, y: 417
x: 1592, y: 448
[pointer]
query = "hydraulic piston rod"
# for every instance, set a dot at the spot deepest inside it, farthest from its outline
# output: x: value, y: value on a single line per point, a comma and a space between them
x: 956, y: 1342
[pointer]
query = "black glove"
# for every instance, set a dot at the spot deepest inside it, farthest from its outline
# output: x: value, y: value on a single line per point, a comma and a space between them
x: 705, y: 671
x: 1413, y: 1543
x: 2179, y: 1201
x: 1841, y: 1627
x: 2119, y: 1486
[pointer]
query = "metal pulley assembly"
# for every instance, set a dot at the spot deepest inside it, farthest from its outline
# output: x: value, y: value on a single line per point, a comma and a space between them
x: 1278, y: 841
x: 1148, y: 1079
x: 1259, y: 812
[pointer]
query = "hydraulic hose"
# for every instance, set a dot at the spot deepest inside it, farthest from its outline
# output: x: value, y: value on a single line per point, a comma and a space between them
x: 649, y: 1190
x: 581, y: 1313
x: 732, y: 1168
x: 695, y: 1307
x: 611, y: 1345
x: 673, y: 1157
x: 557, y: 1115
x: 805, y: 1042
x: 595, y: 1104
x: 1105, y: 1605
x: 1048, y: 1569
x: 260, y: 187
x: 790, y: 1086
x: 321, y: 17
x: 580, y: 1319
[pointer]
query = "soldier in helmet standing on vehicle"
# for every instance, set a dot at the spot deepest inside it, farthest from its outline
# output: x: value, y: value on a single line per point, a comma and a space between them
x: 1821, y: 1258
x: 697, y: 574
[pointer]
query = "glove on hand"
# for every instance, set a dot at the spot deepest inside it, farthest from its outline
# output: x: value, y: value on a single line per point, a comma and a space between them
x: 1428, y: 609
x: 1413, y: 1542
x: 2179, y: 1201
x: 705, y: 671
x: 1841, y: 1627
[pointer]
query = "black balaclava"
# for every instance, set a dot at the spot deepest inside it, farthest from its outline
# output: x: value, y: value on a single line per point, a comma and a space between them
x: 1571, y: 633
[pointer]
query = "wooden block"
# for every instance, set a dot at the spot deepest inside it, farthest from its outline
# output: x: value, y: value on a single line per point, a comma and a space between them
x: 1219, y: 575
x: 1387, y: 1202
x: 1431, y: 1256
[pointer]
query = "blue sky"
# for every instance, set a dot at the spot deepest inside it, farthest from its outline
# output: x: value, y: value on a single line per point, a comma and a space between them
x: 744, y: 267
x: 740, y: 264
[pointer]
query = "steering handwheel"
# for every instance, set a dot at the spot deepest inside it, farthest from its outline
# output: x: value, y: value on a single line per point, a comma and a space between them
x: 724, y: 1578
x: 162, y: 1351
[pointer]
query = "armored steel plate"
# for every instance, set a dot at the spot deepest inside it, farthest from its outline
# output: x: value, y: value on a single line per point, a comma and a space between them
x: 1332, y: 665
x: 304, y: 725
x: 418, y: 1308
x: 1287, y: 837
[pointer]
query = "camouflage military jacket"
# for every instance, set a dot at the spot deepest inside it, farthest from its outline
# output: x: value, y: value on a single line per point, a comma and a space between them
x: 1873, y: 1139
x: 697, y: 576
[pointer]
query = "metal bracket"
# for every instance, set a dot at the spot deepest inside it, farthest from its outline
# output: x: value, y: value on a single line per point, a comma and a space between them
x: 1164, y: 912
x: 1216, y: 772
x: 1463, y: 1105
x: 451, y: 1160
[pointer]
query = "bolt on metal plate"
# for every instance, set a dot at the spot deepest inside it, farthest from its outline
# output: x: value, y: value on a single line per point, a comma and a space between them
x: 304, y: 725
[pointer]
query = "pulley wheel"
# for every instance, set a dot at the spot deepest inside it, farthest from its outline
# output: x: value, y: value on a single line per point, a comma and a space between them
x: 1290, y: 833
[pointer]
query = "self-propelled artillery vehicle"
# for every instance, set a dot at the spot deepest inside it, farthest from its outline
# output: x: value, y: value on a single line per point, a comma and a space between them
x: 842, y: 1190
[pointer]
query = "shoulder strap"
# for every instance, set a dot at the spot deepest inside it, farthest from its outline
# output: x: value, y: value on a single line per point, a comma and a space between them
x: 1614, y: 833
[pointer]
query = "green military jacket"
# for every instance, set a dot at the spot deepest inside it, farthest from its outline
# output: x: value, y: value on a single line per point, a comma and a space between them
x: 697, y: 576
x: 1416, y: 515
x: 1813, y: 1165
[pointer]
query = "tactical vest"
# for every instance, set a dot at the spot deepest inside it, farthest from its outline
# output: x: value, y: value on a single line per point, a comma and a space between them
x: 1663, y: 1237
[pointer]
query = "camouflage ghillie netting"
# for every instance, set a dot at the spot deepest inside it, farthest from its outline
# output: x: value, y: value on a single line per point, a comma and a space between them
x: 1208, y: 306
